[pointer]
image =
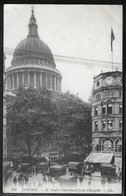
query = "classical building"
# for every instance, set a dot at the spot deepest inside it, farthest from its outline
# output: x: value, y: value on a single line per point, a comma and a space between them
x: 33, y: 64
x: 107, y: 119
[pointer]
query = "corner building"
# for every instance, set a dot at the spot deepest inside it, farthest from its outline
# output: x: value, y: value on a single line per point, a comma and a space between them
x: 33, y: 64
x: 107, y: 119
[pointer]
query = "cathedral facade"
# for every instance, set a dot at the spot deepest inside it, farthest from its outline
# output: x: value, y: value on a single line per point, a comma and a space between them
x: 33, y: 64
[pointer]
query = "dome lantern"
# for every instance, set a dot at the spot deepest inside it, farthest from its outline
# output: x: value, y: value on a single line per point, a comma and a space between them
x: 33, y: 27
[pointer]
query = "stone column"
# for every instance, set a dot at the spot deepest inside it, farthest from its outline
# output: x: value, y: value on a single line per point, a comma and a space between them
x: 28, y: 79
x: 9, y: 83
x: 51, y: 82
x: 17, y: 80
x: 13, y: 81
x: 54, y: 83
x: 34, y: 80
x: 59, y: 85
x: 40, y: 79
x: 46, y: 83
x: 22, y: 79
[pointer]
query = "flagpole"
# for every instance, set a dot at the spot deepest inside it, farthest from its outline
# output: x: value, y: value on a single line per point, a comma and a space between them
x: 112, y: 60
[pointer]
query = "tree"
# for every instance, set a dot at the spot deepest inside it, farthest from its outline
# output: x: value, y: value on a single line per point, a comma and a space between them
x: 75, y: 124
x: 31, y: 118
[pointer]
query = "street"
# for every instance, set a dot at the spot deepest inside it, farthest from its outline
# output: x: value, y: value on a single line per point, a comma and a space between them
x: 36, y: 184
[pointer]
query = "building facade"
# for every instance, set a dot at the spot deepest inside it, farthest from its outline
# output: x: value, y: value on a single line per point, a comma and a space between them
x: 33, y: 64
x: 4, y: 113
x: 107, y: 115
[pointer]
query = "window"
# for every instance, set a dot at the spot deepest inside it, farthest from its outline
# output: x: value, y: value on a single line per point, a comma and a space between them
x: 104, y: 125
x: 98, y: 97
x: 97, y: 83
x: 119, y: 93
x: 118, y: 146
x: 96, y: 111
x: 96, y: 126
x: 109, y: 125
x: 120, y: 124
x: 106, y: 95
x: 103, y: 109
x: 110, y: 94
x: 109, y: 108
x: 120, y: 109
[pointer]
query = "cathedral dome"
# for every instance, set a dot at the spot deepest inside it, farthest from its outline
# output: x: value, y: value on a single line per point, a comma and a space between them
x: 32, y: 46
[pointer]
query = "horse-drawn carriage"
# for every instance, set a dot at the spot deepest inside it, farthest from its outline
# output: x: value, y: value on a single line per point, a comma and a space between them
x: 108, y: 171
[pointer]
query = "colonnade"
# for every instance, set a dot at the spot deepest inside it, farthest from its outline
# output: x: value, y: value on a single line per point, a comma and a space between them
x: 50, y: 81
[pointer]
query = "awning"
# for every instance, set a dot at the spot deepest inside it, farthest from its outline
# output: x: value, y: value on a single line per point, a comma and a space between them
x: 106, y: 158
x: 95, y: 157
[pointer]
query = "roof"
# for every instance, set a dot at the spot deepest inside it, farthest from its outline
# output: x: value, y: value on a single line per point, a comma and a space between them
x: 32, y: 46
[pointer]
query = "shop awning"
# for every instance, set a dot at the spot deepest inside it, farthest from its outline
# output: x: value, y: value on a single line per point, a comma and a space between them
x: 95, y: 157
x: 106, y: 158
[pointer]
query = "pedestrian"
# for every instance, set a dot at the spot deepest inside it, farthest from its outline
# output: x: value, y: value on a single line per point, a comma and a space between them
x: 15, y: 181
x: 89, y: 182
x: 92, y: 168
x: 26, y: 180
x: 21, y: 182
x: 120, y: 175
x: 50, y: 179
x: 87, y: 167
x: 103, y: 181
x: 109, y: 180
x: 33, y: 171
x: 29, y: 184
x: 44, y: 179
x: 81, y: 180
x: 36, y: 170
x: 39, y: 184
x: 34, y: 184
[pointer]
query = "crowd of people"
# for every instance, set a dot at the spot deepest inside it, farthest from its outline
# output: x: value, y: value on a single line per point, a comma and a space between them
x: 87, y: 170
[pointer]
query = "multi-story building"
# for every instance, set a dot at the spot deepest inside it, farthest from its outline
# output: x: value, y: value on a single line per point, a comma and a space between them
x: 33, y: 64
x: 107, y: 119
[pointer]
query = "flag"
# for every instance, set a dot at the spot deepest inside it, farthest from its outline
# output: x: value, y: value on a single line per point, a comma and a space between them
x: 112, y: 38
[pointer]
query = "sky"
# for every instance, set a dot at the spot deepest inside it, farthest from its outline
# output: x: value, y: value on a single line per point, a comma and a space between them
x: 76, y: 31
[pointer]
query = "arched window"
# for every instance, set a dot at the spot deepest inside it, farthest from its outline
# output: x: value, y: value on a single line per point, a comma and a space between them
x: 120, y: 124
x: 96, y: 125
x: 103, y: 109
x: 118, y: 145
x: 120, y: 109
x: 107, y: 145
x: 95, y: 111
x: 109, y: 107
x: 103, y: 125
x: 109, y: 125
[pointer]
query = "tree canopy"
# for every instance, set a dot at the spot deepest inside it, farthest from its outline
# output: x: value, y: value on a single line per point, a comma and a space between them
x: 37, y: 119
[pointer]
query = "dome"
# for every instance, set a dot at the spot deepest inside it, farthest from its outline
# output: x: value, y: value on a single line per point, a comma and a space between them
x: 32, y: 46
